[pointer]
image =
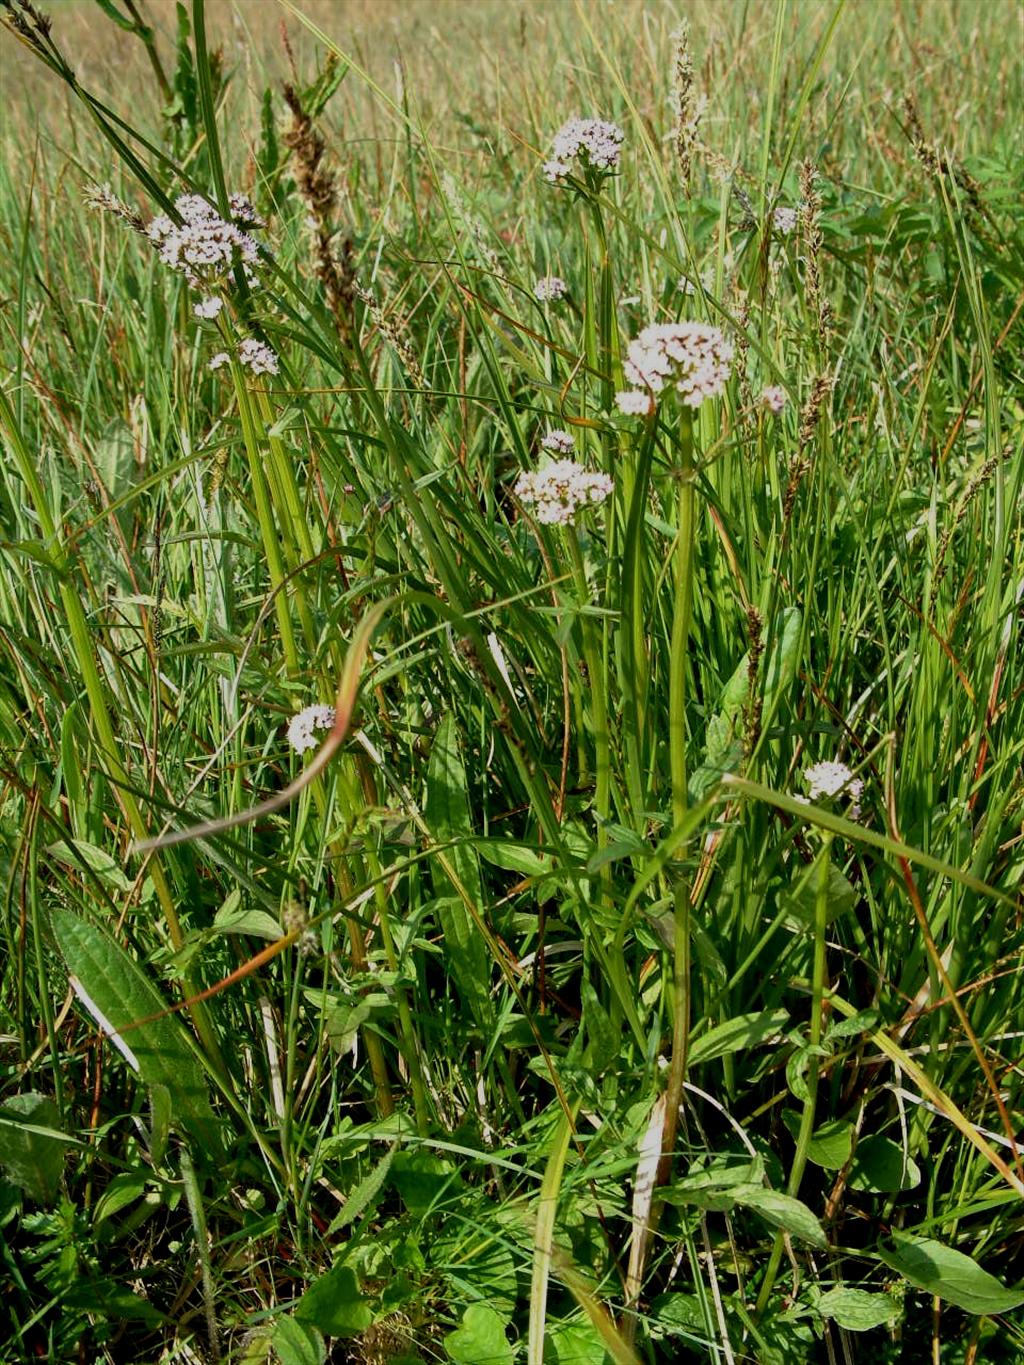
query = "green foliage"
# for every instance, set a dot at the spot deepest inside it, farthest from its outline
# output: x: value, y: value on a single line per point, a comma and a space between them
x: 378, y: 1069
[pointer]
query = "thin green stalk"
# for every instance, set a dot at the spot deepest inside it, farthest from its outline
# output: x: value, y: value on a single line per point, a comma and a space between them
x: 803, y: 1141
x: 194, y: 1200
x: 681, y: 619
x: 544, y: 1233
x: 597, y: 688
x: 680, y: 798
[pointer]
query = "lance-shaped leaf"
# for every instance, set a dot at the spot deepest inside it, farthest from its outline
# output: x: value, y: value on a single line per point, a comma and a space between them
x: 117, y: 993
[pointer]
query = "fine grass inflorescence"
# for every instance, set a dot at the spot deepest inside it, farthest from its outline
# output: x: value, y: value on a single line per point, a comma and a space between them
x: 511, y: 683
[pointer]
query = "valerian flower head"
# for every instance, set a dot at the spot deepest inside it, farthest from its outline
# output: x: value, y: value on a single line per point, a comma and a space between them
x: 593, y: 143
x: 257, y: 356
x: 559, y: 490
x: 216, y: 361
x: 550, y: 289
x: 693, y: 358
x: 784, y: 220
x: 832, y: 778
x: 773, y: 397
x: 635, y: 403
x: 559, y: 440
x: 204, y: 246
x: 208, y: 308
x: 303, y: 726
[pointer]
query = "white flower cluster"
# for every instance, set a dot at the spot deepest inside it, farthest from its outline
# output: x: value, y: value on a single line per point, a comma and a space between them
x: 257, y: 356
x: 303, y: 726
x: 831, y: 778
x: 593, y: 142
x: 208, y: 308
x: 203, y: 245
x: 559, y: 440
x: 254, y: 355
x: 635, y: 403
x: 773, y: 396
x: 784, y: 220
x: 550, y: 288
x: 560, y: 489
x: 693, y: 357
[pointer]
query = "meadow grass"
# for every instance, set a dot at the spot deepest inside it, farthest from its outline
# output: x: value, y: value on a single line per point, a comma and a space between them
x: 543, y: 1009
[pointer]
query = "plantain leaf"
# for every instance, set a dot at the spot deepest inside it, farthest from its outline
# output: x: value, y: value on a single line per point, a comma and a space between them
x: 948, y: 1274
x: 746, y: 1030
x: 117, y: 993
x: 32, y: 1145
x: 856, y: 1309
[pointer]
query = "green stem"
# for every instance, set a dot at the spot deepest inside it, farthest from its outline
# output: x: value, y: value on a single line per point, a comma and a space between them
x: 681, y: 621
x: 803, y: 1140
x: 680, y: 798
x: 594, y: 660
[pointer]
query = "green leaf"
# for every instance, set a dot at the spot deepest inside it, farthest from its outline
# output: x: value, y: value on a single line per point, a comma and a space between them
x: 32, y: 1157
x: 603, y: 1040
x: 447, y: 813
x: 948, y: 1274
x: 422, y: 1179
x: 334, y: 1305
x: 513, y: 857
x: 478, y: 1266
x: 296, y: 1343
x: 840, y: 897
x: 574, y: 1343
x: 109, y: 9
x: 745, y: 1030
x: 113, y: 1301
x: 856, y: 1309
x: 830, y: 1145
x: 74, y: 852
x: 160, y: 1122
x: 880, y: 1165
x: 119, y: 990
x: 232, y: 918
x: 480, y: 1340
x: 723, y: 746
x: 676, y: 1314
x: 123, y: 1190
x: 782, y: 1211
x: 364, y: 1195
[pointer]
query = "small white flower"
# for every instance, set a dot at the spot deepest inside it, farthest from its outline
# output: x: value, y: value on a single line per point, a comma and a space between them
x: 635, y: 402
x: 559, y: 440
x: 592, y: 142
x: 556, y: 171
x: 257, y: 356
x: 216, y: 361
x: 303, y: 726
x: 550, y: 289
x: 208, y: 308
x: 831, y: 778
x: 686, y: 286
x: 693, y: 357
x: 773, y: 396
x: 244, y: 212
x: 784, y: 220
x: 560, y: 489
x: 203, y: 246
